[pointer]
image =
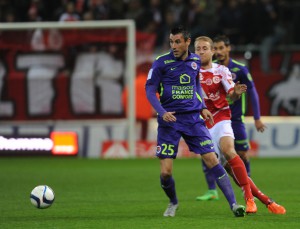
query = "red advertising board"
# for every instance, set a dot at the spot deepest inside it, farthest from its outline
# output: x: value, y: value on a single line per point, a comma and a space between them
x: 64, y: 74
x: 278, y: 90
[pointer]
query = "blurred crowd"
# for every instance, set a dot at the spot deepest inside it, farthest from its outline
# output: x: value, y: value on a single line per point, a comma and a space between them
x: 244, y: 21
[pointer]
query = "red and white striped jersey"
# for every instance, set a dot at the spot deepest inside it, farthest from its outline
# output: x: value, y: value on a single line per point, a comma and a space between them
x: 216, y: 83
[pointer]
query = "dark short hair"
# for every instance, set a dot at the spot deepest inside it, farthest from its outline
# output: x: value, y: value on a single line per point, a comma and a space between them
x: 180, y: 29
x: 221, y: 38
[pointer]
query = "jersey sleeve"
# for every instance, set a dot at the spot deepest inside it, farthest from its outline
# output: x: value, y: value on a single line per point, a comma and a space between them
x: 152, y: 84
x: 251, y: 90
x: 255, y: 102
x: 246, y: 78
x: 227, y: 81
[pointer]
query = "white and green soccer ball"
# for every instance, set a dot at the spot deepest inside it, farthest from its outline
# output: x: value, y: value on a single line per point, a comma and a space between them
x: 42, y: 196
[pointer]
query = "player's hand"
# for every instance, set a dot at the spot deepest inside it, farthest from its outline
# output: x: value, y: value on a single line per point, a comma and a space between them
x: 260, y: 127
x: 169, y: 117
x: 239, y: 89
x: 208, y: 116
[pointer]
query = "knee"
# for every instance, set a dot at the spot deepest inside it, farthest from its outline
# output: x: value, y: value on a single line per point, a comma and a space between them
x: 229, y: 152
x: 210, y: 160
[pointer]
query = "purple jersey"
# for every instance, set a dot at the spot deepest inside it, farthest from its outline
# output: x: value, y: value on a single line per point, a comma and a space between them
x: 177, y: 82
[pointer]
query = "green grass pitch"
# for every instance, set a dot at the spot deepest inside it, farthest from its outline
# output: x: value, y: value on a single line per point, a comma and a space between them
x: 94, y: 193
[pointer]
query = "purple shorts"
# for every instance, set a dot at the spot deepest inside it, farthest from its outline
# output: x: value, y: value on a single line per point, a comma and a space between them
x: 241, y: 142
x: 188, y: 126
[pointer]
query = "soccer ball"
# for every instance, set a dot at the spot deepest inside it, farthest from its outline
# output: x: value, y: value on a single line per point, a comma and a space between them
x: 42, y: 196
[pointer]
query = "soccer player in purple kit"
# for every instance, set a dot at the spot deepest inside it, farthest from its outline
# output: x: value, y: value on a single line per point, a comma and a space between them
x: 240, y: 74
x: 175, y: 76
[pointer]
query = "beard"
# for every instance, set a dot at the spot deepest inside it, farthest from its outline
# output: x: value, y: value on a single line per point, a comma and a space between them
x: 220, y: 58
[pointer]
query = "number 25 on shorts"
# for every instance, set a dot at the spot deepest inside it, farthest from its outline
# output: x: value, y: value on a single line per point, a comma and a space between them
x: 167, y: 149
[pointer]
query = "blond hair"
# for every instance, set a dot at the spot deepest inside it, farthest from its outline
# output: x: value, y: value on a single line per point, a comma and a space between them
x: 204, y: 38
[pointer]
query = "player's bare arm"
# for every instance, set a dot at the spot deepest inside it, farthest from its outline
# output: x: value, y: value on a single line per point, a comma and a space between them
x: 207, y: 115
x: 237, y: 91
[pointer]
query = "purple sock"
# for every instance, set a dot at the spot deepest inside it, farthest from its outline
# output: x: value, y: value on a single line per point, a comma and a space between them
x: 210, y: 179
x: 224, y: 184
x: 247, y: 165
x: 169, y: 188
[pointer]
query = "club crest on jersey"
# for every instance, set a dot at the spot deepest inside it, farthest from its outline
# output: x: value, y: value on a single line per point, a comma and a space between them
x: 216, y: 79
x: 158, y: 149
x: 194, y: 65
x: 208, y: 82
x: 215, y: 96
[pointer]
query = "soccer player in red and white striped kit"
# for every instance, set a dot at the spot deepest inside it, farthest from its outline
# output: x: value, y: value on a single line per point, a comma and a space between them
x: 217, y: 83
